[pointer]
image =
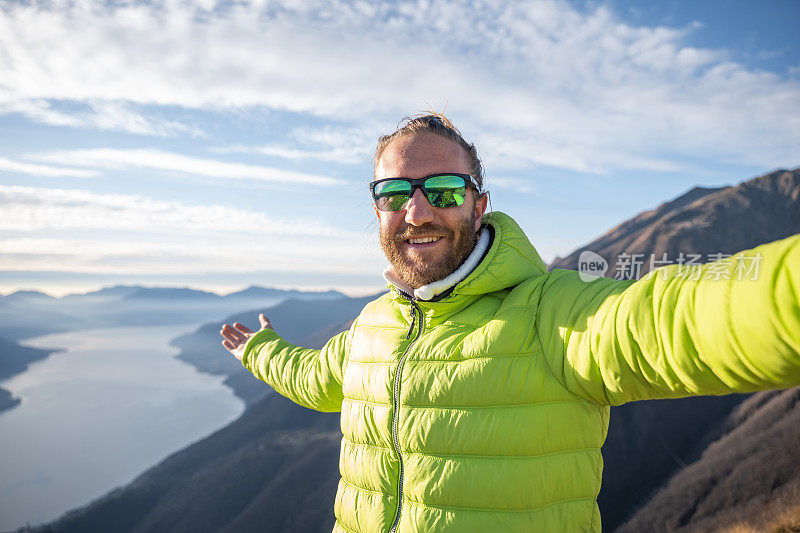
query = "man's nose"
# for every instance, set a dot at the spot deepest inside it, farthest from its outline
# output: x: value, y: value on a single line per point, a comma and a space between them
x: 418, y: 209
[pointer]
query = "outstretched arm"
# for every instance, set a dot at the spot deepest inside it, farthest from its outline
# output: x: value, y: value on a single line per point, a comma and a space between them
x: 311, y: 378
x: 677, y: 332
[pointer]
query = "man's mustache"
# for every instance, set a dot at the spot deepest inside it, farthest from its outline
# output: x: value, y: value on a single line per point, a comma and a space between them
x: 425, y: 230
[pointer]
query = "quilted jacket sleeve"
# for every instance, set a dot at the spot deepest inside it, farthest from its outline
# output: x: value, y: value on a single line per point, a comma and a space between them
x: 729, y: 326
x: 311, y: 378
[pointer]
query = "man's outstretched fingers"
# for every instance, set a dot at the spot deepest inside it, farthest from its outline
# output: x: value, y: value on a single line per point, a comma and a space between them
x: 242, y: 328
x: 265, y: 323
x: 232, y: 334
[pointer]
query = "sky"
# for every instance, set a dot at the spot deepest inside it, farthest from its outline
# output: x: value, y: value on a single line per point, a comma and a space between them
x: 222, y: 144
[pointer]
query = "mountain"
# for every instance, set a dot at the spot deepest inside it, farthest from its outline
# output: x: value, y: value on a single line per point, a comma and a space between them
x: 244, y: 477
x: 15, y: 359
x: 704, y: 221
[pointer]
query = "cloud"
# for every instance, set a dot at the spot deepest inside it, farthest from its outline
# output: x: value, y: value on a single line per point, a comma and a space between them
x: 339, y: 145
x: 106, y: 116
x: 113, y: 158
x: 8, y: 165
x: 560, y: 86
x: 27, y: 209
x: 81, y: 231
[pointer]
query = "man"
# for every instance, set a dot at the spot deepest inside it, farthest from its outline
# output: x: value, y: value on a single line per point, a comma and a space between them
x: 475, y: 395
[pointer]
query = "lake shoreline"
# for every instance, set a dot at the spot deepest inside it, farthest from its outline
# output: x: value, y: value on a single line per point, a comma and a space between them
x: 16, y: 359
x: 117, y: 403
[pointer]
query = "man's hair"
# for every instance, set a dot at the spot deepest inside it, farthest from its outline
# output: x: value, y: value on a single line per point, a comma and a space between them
x: 434, y: 122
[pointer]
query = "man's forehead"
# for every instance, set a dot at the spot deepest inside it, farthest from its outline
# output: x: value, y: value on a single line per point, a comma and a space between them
x: 421, y: 154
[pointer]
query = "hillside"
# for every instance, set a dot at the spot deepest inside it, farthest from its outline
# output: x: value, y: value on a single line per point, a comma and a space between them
x: 749, y: 477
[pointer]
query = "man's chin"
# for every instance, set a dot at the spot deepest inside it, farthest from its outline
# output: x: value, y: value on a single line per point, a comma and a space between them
x: 421, y: 271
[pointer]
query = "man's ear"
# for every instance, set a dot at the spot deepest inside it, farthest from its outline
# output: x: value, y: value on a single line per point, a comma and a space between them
x: 480, y: 208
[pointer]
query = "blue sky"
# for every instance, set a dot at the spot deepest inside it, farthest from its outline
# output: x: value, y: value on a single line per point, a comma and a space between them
x: 221, y: 144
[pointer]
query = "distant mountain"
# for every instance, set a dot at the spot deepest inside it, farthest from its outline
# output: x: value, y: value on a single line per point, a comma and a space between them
x: 117, y: 291
x: 171, y: 293
x: 295, y: 320
x: 26, y: 295
x: 25, y: 317
x: 15, y: 359
x: 747, y: 480
x: 264, y: 292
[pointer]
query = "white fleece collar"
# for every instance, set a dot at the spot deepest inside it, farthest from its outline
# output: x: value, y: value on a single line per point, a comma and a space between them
x: 429, y: 291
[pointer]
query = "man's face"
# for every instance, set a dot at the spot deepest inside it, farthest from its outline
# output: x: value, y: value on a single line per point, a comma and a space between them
x: 454, y: 228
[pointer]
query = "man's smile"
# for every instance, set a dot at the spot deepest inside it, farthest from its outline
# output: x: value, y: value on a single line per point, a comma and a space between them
x: 422, y: 240
x: 421, y: 244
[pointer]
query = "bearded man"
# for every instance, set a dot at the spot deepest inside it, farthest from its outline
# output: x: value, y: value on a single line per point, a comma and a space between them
x: 475, y: 394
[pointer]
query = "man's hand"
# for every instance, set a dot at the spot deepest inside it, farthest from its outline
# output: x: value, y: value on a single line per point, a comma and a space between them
x: 236, y: 336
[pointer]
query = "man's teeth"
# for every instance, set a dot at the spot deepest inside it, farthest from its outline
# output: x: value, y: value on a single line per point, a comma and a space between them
x: 423, y: 240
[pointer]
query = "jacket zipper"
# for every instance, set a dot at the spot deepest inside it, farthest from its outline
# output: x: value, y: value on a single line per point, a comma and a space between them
x: 416, y: 316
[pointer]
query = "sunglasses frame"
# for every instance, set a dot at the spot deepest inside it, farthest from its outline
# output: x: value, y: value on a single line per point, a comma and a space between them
x: 419, y: 183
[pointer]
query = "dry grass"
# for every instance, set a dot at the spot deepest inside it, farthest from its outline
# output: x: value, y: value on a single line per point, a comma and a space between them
x: 786, y: 520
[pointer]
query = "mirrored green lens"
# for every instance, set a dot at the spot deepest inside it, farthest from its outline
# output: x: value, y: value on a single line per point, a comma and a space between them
x: 391, y: 195
x: 445, y: 190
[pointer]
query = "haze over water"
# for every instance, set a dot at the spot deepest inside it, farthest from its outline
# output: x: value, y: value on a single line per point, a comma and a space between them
x: 92, y: 418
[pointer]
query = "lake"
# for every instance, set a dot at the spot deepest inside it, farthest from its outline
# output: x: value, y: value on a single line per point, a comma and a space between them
x: 92, y: 418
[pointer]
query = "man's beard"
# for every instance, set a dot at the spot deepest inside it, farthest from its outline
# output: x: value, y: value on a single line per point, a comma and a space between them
x: 421, y: 272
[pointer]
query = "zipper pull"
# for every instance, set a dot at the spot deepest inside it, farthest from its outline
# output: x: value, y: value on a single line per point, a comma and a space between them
x: 413, y: 319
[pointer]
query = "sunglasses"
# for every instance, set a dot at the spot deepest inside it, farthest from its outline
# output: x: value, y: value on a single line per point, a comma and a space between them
x: 448, y: 189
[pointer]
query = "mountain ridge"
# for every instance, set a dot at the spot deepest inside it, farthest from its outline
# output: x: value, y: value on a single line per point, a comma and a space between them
x: 706, y: 221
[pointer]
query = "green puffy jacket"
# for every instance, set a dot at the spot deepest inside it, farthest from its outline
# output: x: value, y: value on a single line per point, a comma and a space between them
x: 486, y: 410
